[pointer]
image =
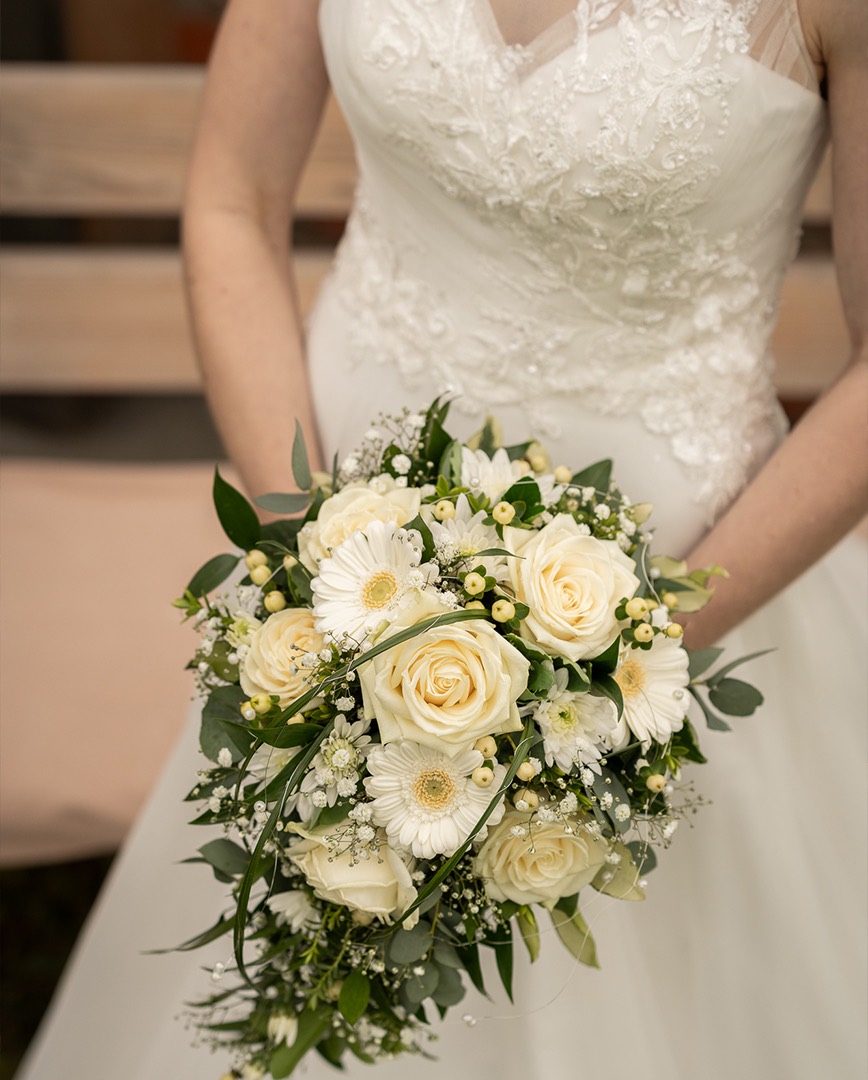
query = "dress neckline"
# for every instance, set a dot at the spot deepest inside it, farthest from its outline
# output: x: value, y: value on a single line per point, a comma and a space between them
x: 553, y: 40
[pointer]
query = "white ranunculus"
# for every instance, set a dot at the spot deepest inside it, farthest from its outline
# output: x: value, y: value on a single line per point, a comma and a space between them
x: 352, y: 508
x: 271, y: 665
x: 576, y: 728
x: 282, y: 1028
x: 572, y: 584
x: 379, y: 885
x: 542, y: 864
x: 446, y: 687
x: 462, y: 536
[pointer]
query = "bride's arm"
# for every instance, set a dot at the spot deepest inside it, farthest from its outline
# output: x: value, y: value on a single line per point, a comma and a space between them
x: 815, y: 488
x: 263, y: 99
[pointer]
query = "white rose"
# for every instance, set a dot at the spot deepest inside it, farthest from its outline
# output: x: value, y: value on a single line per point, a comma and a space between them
x: 447, y: 687
x: 271, y: 665
x: 572, y: 584
x: 541, y: 867
x: 379, y: 885
x: 352, y: 508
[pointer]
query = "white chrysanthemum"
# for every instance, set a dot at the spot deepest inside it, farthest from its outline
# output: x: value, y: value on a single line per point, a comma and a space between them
x: 426, y: 801
x: 486, y: 475
x: 574, y: 726
x: 653, y: 683
x: 460, y: 537
x: 334, y: 771
x: 268, y: 761
x: 293, y: 909
x: 366, y: 579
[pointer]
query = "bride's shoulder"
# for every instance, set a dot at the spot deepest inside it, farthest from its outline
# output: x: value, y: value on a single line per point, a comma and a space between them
x: 834, y: 29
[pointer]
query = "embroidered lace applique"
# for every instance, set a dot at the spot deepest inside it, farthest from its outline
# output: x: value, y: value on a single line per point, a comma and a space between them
x: 596, y: 177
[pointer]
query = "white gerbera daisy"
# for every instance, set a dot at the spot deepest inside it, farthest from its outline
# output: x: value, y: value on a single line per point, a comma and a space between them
x: 426, y: 801
x: 490, y: 476
x: 462, y: 536
x: 575, y: 727
x: 366, y: 578
x: 653, y: 683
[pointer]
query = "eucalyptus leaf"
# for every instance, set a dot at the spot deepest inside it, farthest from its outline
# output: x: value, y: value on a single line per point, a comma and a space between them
x: 408, y: 946
x: 236, y: 515
x: 419, y: 987
x: 609, y: 784
x: 734, y: 697
x: 700, y: 660
x: 226, y: 856
x: 712, y: 720
x: 354, y: 996
x: 450, y: 989
x: 622, y: 880
x: 212, y: 574
x: 644, y: 855
x: 447, y: 955
x: 283, y: 502
x: 300, y: 466
x: 733, y: 664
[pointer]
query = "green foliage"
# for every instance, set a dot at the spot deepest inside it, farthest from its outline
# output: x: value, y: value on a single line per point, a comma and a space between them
x: 300, y: 467
x: 503, y: 955
x: 575, y: 934
x: 312, y: 1025
x: 598, y: 475
x: 235, y: 513
x: 354, y: 996
x: 734, y: 697
x: 283, y: 502
x: 225, y: 856
x: 212, y: 574
x: 529, y: 930
x: 220, y: 726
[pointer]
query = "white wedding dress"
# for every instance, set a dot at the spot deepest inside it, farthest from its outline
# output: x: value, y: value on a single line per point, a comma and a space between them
x: 585, y: 236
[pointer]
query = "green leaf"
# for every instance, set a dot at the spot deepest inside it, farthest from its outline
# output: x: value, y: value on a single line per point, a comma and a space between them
x: 236, y: 515
x: 712, y: 720
x: 685, y: 744
x: 727, y: 668
x: 527, y: 925
x: 450, y: 463
x: 598, y: 475
x: 283, y: 503
x: 526, y: 490
x: 434, y: 440
x: 450, y: 989
x: 421, y: 527
x: 221, y: 927
x: 574, y: 933
x: 354, y: 996
x: 734, y: 697
x: 227, y: 857
x: 607, y: 687
x: 469, y: 954
x: 419, y: 987
x: 605, y: 783
x: 621, y: 881
x: 503, y: 954
x: 212, y: 574
x: 607, y: 661
x: 447, y: 955
x: 312, y: 1026
x: 701, y: 660
x: 220, y: 726
x: 644, y: 856
x: 488, y: 437
x: 517, y: 451
x: 286, y: 735
x: 408, y: 946
x: 300, y: 467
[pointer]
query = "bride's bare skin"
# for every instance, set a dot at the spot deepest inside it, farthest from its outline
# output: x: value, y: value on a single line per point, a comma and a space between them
x: 265, y: 93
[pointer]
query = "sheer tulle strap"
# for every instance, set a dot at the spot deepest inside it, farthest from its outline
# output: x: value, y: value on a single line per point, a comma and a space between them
x: 778, y: 42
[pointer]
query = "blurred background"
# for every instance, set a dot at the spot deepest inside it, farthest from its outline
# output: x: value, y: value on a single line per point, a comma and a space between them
x: 106, y: 447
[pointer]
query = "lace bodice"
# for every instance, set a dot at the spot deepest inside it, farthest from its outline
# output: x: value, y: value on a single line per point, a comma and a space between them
x: 600, y: 217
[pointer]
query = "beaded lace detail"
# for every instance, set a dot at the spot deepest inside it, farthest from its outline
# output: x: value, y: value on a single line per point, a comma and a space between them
x: 592, y: 155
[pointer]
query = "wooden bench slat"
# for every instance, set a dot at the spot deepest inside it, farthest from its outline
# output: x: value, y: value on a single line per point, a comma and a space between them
x: 110, y: 321
x: 113, y: 320
x: 114, y: 140
x: 100, y: 139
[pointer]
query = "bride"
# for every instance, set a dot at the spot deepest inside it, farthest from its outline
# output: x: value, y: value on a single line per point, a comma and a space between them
x: 577, y: 216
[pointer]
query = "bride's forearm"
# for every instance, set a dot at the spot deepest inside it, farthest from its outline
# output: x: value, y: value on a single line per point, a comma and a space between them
x: 249, y: 344
x: 810, y: 493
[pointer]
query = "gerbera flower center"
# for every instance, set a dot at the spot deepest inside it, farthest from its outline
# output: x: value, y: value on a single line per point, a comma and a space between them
x: 434, y: 789
x: 379, y: 590
x: 631, y: 677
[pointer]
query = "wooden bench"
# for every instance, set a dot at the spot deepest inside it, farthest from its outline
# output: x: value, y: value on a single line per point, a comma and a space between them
x: 92, y: 655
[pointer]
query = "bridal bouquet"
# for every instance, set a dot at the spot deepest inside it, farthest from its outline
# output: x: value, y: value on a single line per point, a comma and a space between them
x: 439, y: 706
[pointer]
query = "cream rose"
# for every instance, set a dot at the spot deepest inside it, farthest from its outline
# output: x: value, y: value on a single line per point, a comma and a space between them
x: 572, y: 584
x: 379, y: 886
x: 447, y: 687
x: 352, y: 508
x: 271, y: 665
x: 541, y: 867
